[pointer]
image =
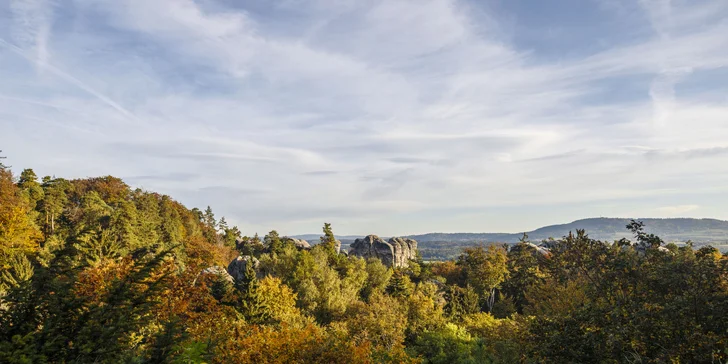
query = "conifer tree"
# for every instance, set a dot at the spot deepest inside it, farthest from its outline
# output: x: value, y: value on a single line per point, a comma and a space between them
x: 250, y: 302
x: 28, y: 183
x: 209, y: 218
x: 273, y: 242
x: 2, y: 166
x: 328, y: 241
x: 400, y: 284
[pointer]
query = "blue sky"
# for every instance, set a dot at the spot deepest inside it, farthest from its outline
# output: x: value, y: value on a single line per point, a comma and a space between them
x: 389, y: 117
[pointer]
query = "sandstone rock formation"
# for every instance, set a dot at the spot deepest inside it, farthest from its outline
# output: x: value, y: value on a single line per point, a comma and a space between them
x: 395, y: 253
x: 237, y: 267
x: 209, y: 273
x: 540, y: 249
x: 299, y: 243
x: 407, y: 246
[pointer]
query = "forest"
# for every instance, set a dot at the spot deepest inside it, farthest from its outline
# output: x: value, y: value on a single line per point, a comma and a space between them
x: 92, y: 270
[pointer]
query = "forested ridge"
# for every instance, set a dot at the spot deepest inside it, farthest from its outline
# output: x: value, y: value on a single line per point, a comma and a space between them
x: 92, y: 270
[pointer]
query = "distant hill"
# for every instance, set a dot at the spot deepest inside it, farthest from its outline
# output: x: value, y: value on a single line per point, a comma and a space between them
x: 677, y: 230
x: 448, y: 245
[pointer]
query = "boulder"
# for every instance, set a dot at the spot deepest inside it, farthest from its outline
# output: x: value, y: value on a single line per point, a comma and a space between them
x: 395, y: 253
x: 237, y: 267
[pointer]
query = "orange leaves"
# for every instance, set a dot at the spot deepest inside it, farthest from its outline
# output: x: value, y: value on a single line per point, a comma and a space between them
x: 448, y: 270
x: 94, y: 282
x: 287, y: 344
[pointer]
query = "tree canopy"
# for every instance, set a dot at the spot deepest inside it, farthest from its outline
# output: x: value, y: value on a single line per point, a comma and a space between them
x: 92, y: 270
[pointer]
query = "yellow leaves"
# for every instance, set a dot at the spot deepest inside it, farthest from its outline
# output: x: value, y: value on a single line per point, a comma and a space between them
x: 383, y: 321
x: 18, y: 232
x: 280, y: 300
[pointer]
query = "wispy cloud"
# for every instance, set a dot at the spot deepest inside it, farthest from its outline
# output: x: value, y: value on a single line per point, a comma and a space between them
x: 676, y: 210
x: 382, y: 116
x: 32, y: 23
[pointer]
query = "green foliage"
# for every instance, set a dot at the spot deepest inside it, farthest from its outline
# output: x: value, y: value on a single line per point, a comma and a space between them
x: 525, y: 271
x: 460, y: 301
x: 378, y: 277
x: 484, y: 269
x: 449, y: 344
x: 400, y: 285
x: 329, y: 243
x: 250, y: 300
x: 273, y: 242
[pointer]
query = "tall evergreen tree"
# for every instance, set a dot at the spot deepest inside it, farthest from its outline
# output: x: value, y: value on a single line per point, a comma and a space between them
x: 2, y: 166
x: 250, y: 301
x: 273, y: 242
x: 209, y: 218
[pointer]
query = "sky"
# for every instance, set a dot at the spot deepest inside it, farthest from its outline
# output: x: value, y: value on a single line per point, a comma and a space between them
x: 390, y: 117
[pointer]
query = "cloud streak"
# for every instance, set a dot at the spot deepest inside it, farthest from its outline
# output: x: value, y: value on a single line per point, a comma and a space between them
x: 380, y: 116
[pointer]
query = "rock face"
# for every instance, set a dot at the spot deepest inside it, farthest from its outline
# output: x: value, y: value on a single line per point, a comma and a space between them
x: 214, y: 271
x: 540, y: 249
x: 299, y: 243
x: 237, y: 267
x: 395, y: 253
x: 404, y: 250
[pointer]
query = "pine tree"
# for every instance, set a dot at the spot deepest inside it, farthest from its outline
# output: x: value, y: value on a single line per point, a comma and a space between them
x: 28, y: 183
x: 2, y: 166
x: 209, y: 218
x: 19, y: 270
x: 54, y: 202
x: 330, y: 244
x: 400, y: 285
x: 222, y: 225
x: 250, y: 302
x: 273, y: 242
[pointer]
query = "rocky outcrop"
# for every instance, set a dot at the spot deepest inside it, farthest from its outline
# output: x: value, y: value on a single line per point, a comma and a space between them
x: 404, y: 250
x: 299, y: 243
x: 642, y: 249
x: 247, y: 244
x: 395, y: 253
x: 540, y: 249
x: 237, y: 267
x: 207, y: 274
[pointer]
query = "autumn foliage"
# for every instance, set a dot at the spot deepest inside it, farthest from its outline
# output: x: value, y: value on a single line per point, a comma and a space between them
x: 93, y: 271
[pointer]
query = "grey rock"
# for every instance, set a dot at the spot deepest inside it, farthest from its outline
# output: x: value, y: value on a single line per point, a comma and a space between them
x: 404, y: 250
x: 299, y: 243
x: 215, y: 271
x: 237, y: 267
x: 395, y: 253
x: 540, y: 249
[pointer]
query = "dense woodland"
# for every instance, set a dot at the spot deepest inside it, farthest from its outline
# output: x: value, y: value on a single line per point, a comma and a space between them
x: 94, y: 271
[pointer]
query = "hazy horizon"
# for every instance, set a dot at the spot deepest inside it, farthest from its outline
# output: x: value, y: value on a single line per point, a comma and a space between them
x: 386, y: 117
